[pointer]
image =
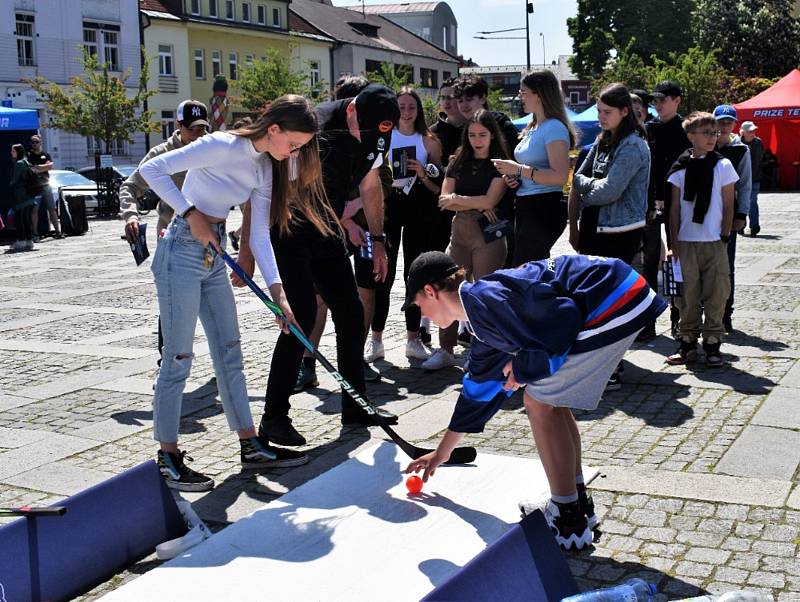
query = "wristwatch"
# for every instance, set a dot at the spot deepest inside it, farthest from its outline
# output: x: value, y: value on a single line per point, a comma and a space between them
x: 378, y: 237
x: 725, y: 237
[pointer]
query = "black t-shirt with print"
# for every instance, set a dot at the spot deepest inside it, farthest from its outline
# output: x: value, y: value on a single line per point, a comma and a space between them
x: 40, y: 158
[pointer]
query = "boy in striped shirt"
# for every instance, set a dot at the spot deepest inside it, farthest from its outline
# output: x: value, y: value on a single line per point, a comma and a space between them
x: 558, y: 328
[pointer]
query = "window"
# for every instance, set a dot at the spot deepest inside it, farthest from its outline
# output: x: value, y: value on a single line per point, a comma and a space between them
x: 446, y: 75
x: 371, y: 66
x: 233, y: 61
x: 95, y: 146
x: 426, y: 33
x: 216, y: 63
x: 102, y: 41
x: 194, y: 7
x: 428, y: 78
x: 246, y: 12
x: 167, y: 124
x: 574, y: 97
x: 25, y: 39
x: 230, y: 11
x: 248, y: 60
x: 276, y: 17
x: 315, y: 72
x: 212, y: 8
x: 165, y: 59
x: 199, y: 63
x: 261, y: 14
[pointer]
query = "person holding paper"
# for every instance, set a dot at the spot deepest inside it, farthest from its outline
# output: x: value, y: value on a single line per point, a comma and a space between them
x: 700, y: 221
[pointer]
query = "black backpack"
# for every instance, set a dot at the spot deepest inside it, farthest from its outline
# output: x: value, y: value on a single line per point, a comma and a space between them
x: 33, y: 185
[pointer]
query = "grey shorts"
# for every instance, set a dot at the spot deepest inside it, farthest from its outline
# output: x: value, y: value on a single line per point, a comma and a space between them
x: 581, y: 380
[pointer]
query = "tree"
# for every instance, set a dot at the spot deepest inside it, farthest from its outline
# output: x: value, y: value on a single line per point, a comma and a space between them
x: 602, y: 30
x: 698, y: 73
x: 265, y: 80
x: 389, y: 76
x: 628, y: 68
x: 97, y: 104
x: 738, y: 89
x: 754, y: 37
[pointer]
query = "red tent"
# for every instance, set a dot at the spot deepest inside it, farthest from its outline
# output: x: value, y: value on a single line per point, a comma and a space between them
x: 776, y: 112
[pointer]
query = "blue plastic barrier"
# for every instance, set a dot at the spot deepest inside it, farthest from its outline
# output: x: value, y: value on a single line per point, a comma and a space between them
x: 105, y: 529
x: 524, y: 564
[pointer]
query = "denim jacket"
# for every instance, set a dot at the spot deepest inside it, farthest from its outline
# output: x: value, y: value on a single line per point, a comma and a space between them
x: 616, y: 182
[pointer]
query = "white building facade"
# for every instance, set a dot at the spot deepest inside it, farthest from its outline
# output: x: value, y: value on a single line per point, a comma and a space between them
x: 44, y: 37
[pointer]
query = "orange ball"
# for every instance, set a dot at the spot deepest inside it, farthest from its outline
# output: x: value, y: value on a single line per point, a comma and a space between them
x: 414, y: 484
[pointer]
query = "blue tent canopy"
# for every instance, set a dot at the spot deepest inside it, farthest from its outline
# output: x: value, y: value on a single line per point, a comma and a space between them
x: 522, y: 122
x: 18, y: 119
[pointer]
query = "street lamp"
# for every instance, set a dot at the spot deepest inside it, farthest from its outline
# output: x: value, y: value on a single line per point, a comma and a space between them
x: 544, y: 56
x: 528, y: 11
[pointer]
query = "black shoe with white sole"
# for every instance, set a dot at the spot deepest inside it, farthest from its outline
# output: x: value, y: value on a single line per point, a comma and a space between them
x: 259, y: 454
x: 569, y: 525
x: 179, y: 476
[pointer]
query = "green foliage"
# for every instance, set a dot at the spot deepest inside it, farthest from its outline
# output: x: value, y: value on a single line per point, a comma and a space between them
x: 603, y: 29
x: 389, y: 76
x: 431, y: 108
x: 495, y: 100
x: 266, y: 80
x: 739, y: 89
x: 97, y: 104
x: 698, y: 73
x: 628, y: 68
x: 754, y: 37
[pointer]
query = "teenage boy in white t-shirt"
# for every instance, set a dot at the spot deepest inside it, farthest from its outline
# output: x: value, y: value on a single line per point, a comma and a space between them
x: 701, y: 216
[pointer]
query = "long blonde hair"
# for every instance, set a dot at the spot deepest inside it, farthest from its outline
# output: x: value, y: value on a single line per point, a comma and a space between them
x: 303, y: 196
x: 545, y: 84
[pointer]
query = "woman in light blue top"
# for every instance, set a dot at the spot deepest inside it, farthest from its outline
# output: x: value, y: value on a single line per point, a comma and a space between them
x: 541, y: 168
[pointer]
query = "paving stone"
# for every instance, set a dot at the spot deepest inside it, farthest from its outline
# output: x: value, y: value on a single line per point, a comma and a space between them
x: 708, y: 555
x: 774, y: 548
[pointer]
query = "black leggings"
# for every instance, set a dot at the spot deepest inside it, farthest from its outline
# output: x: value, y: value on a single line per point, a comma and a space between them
x: 310, y: 263
x: 538, y: 222
x: 22, y: 223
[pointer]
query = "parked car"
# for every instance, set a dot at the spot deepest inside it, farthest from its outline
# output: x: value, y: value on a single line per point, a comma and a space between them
x: 65, y: 184
x: 121, y: 172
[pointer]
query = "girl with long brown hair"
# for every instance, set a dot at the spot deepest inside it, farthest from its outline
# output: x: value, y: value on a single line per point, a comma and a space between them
x: 275, y: 157
x: 540, y: 168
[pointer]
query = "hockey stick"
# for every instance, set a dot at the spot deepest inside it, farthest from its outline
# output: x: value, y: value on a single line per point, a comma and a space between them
x: 31, y: 511
x: 460, y: 455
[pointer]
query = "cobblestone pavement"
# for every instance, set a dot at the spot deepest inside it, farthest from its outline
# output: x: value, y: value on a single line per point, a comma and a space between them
x: 699, y: 467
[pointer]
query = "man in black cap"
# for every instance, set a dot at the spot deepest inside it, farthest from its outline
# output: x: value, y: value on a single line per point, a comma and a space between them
x: 354, y: 138
x: 667, y: 141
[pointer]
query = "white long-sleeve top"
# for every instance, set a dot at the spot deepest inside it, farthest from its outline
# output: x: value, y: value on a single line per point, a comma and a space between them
x: 223, y: 170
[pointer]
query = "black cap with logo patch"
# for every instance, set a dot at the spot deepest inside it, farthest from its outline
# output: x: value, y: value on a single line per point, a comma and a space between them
x: 378, y: 113
x: 428, y: 268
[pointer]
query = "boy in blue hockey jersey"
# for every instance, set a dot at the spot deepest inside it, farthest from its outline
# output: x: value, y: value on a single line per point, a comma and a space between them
x: 558, y: 328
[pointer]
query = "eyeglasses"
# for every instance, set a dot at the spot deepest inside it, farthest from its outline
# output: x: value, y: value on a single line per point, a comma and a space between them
x: 708, y: 134
x: 35, y: 142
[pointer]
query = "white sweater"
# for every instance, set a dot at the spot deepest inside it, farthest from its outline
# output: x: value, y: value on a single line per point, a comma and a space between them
x: 223, y: 170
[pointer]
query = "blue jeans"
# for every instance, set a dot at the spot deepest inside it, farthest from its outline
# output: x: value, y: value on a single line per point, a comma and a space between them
x: 186, y: 289
x: 754, y: 206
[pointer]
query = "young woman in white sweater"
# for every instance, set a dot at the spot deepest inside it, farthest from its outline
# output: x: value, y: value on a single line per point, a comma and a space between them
x: 226, y: 169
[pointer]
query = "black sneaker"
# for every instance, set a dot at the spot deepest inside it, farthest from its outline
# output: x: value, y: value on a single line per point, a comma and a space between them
x: 179, y: 476
x: 614, y: 382
x: 358, y: 417
x: 465, y: 339
x: 425, y: 336
x: 647, y: 334
x: 686, y: 354
x: 306, y: 379
x: 258, y: 454
x: 371, y: 374
x: 713, y: 355
x: 586, y: 504
x: 280, y: 431
x: 568, y: 524
x: 234, y: 240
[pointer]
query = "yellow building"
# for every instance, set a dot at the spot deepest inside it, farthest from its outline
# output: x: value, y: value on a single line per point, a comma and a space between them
x: 208, y: 38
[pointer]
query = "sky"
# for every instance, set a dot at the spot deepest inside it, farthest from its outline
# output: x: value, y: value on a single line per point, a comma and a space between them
x: 549, y: 17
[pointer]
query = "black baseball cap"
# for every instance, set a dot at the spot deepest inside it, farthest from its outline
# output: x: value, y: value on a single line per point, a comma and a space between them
x: 378, y: 113
x: 646, y: 97
x: 667, y: 88
x: 192, y: 112
x: 428, y: 268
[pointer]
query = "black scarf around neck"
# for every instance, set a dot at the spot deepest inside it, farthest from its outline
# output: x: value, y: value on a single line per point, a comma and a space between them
x: 698, y: 181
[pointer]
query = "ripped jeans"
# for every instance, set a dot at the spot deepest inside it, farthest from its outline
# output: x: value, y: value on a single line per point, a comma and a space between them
x: 186, y: 289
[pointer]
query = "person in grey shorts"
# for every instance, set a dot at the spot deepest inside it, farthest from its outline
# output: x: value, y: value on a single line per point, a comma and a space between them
x: 557, y: 327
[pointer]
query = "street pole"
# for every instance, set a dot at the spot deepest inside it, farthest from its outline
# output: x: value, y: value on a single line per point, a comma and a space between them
x: 544, y: 56
x: 528, y: 10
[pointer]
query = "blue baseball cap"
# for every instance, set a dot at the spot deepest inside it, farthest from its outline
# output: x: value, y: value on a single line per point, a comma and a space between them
x: 725, y: 112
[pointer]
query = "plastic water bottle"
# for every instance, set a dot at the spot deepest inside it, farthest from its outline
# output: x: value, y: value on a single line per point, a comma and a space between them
x: 739, y: 595
x: 632, y: 590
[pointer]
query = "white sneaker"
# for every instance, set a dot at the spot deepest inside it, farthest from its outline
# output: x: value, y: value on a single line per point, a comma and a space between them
x: 416, y: 350
x: 29, y: 245
x: 17, y: 246
x: 374, y: 351
x: 441, y: 358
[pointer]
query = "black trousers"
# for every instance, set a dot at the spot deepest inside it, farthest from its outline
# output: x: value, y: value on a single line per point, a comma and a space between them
x: 538, y: 222
x: 310, y: 263
x: 732, y: 264
x: 621, y: 245
x: 22, y: 223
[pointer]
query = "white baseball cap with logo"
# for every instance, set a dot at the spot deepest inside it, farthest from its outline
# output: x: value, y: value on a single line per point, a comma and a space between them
x: 749, y: 126
x: 193, y: 112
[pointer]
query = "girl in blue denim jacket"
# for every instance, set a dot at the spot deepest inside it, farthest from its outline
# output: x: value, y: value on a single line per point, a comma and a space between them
x: 609, y: 190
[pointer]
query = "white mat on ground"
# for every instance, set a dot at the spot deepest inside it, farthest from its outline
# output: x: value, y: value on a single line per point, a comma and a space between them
x: 353, y: 533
